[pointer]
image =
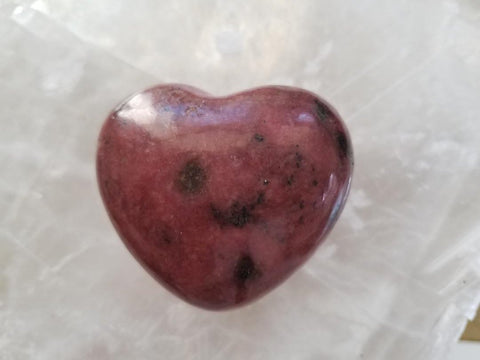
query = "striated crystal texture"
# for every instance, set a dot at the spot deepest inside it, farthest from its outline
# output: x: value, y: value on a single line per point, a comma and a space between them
x: 221, y: 199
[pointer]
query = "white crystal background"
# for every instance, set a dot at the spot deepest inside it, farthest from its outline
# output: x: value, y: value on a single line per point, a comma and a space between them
x: 396, y: 279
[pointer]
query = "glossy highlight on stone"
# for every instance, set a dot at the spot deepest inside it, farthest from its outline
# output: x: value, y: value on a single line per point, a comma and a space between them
x: 222, y: 198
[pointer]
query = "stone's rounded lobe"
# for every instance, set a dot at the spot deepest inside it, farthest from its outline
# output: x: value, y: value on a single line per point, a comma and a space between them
x: 221, y: 199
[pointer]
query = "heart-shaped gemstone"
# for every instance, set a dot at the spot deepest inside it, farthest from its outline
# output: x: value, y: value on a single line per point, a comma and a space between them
x: 221, y: 199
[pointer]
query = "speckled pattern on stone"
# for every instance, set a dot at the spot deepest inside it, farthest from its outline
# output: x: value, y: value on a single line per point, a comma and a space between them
x: 221, y: 199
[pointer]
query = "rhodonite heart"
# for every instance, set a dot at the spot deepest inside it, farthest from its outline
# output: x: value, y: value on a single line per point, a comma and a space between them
x: 221, y: 199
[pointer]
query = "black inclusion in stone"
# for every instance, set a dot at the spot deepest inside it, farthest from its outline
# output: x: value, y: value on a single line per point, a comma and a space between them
x: 166, y: 237
x: 343, y: 146
x: 237, y: 215
x: 163, y: 235
x: 290, y: 180
x: 245, y: 269
x: 298, y: 159
x: 192, y: 177
x: 258, y: 137
x: 217, y: 214
x: 321, y: 110
x: 301, y: 204
x: 260, y: 198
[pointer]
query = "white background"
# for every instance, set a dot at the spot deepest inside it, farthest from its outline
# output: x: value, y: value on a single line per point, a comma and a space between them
x: 465, y: 351
x: 396, y: 279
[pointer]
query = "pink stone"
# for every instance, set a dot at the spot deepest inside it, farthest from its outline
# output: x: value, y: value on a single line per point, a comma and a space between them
x: 221, y: 199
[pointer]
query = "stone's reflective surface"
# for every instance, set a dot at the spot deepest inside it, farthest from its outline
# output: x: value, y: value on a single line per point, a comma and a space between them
x: 221, y: 199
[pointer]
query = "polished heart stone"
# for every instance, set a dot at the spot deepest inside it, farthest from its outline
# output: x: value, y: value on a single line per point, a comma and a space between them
x: 221, y: 199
